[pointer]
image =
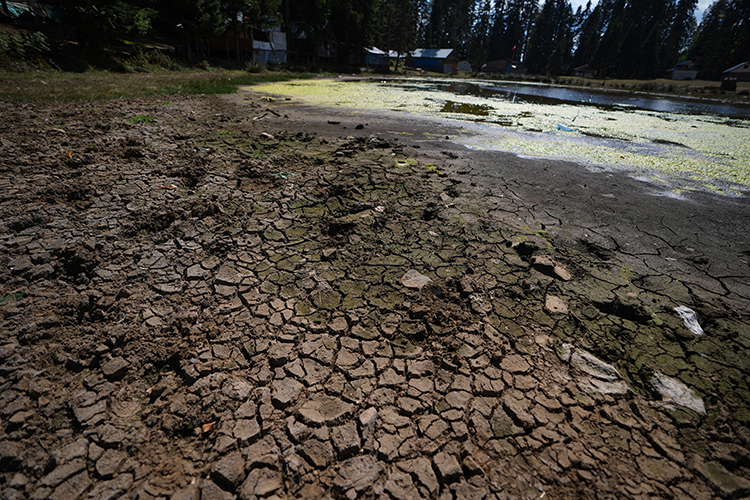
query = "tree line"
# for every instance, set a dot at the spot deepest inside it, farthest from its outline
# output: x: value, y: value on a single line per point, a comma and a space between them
x: 615, y: 38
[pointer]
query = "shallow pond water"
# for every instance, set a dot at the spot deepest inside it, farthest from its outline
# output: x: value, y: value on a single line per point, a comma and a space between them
x: 675, y: 143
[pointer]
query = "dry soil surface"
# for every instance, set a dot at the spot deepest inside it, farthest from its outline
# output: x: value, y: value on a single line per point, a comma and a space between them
x: 233, y: 297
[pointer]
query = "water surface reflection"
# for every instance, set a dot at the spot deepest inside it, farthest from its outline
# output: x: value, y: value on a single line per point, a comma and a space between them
x: 605, y: 99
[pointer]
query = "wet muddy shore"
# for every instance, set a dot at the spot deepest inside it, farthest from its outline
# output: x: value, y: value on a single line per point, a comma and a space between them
x: 237, y: 297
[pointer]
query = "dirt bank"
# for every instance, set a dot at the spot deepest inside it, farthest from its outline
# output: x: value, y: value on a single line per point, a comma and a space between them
x: 218, y: 297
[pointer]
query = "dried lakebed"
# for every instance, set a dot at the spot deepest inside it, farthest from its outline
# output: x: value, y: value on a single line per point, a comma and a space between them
x: 676, y: 144
x: 250, y: 299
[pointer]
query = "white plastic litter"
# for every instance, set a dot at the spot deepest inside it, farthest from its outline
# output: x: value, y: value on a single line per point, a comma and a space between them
x: 674, y: 392
x: 414, y: 279
x: 690, y: 319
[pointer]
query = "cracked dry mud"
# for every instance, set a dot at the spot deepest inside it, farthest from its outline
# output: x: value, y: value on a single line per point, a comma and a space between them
x: 203, y: 304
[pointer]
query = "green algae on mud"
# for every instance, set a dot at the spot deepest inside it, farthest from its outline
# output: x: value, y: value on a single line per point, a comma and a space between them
x: 618, y: 311
x: 679, y: 151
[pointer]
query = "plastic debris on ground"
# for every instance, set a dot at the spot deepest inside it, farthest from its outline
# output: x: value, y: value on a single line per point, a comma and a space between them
x: 283, y: 175
x: 690, y: 319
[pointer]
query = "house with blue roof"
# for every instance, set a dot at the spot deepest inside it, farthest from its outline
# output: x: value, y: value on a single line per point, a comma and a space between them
x: 436, y: 60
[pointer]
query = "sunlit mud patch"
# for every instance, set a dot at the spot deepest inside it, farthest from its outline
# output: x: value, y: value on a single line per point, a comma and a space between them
x: 657, y: 139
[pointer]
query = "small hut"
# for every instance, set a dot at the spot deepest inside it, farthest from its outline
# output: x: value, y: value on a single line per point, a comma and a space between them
x: 684, y: 70
x: 376, y: 57
x: 739, y: 73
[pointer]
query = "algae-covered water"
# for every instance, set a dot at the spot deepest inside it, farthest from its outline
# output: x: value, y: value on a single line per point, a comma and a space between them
x: 674, y: 143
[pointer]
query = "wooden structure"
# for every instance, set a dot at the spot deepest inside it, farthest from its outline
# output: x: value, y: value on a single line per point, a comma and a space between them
x: 684, y: 70
x: 437, y: 60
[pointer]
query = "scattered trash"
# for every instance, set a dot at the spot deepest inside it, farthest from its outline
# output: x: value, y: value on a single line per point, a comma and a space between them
x: 602, y: 377
x: 690, y: 319
x: 564, y: 128
x: 15, y: 296
x: 283, y: 175
x: 414, y: 279
x: 207, y: 427
x: 267, y: 136
x: 594, y: 366
x: 674, y: 392
x: 367, y: 419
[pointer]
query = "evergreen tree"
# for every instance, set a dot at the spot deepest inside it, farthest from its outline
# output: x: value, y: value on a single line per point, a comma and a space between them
x: 497, y: 31
x: 681, y: 26
x: 450, y: 25
x: 352, y: 28
x: 551, y: 39
x: 480, y: 34
x: 739, y: 14
x: 198, y: 20
x: 307, y: 23
x: 519, y: 17
x: 422, y: 17
x: 723, y: 38
x: 588, y: 35
x: 397, y: 28
x: 98, y: 22
x: 635, y: 38
x: 606, y: 54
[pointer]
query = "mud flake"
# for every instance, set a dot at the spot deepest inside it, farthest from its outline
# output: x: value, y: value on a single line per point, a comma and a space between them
x: 324, y: 409
x: 345, y: 439
x: 261, y: 483
x: 658, y: 469
x: 285, y: 391
x: 358, y: 473
x: 727, y: 484
x: 246, y: 430
x: 546, y: 265
x: 447, y: 467
x: 318, y: 453
x: 72, y: 488
x: 555, y: 305
x: 401, y: 486
x: 515, y: 363
x: 326, y: 299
